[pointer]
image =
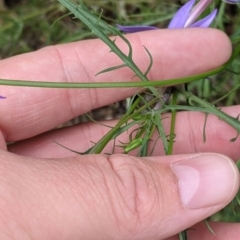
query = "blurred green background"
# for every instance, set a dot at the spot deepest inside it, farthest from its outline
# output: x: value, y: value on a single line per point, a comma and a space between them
x: 30, y: 25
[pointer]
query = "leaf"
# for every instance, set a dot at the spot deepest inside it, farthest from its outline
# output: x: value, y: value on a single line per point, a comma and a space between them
x: 151, y: 62
x: 71, y: 150
x: 111, y: 69
x: 209, y: 227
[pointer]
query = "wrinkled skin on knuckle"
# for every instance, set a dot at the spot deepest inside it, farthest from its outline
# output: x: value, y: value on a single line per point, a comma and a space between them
x: 136, y: 193
x: 117, y: 196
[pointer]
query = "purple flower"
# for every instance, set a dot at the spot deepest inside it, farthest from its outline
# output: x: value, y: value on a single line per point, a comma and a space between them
x: 232, y: 1
x: 185, y: 17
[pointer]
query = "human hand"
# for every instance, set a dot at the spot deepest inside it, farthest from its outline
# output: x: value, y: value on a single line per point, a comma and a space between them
x: 48, y: 192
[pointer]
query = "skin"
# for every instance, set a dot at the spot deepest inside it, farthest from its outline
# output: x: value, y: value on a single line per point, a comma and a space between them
x: 48, y: 192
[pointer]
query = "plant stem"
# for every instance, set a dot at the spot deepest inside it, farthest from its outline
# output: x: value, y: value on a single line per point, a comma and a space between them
x: 155, y: 83
x: 109, y: 136
x: 173, y: 123
x: 234, y: 122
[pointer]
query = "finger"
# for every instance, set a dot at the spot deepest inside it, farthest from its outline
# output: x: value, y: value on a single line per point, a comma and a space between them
x: 189, y: 131
x: 103, y: 197
x: 176, y: 53
x: 222, y: 231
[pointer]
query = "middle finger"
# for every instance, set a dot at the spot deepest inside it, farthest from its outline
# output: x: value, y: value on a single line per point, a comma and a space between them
x: 189, y: 137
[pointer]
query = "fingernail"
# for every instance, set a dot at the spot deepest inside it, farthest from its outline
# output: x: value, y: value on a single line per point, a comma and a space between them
x: 206, y: 180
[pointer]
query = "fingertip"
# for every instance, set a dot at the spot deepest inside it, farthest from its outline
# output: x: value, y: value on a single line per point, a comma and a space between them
x: 220, y: 44
x: 183, y: 52
x: 213, y: 176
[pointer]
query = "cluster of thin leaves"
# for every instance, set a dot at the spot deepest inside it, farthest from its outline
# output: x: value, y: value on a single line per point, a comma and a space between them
x: 150, y: 119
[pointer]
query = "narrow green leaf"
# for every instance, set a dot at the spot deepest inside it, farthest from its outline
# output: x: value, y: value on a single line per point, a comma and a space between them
x: 209, y: 227
x: 161, y: 132
x: 183, y: 235
x: 151, y: 62
x: 204, y: 128
x: 111, y: 69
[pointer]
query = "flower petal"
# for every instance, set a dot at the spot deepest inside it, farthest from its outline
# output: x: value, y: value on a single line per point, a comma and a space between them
x: 232, y: 1
x: 197, y: 11
x: 205, y: 22
x: 132, y: 29
x: 182, y: 15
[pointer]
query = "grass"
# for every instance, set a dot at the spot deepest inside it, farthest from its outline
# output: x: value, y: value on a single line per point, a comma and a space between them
x: 34, y: 24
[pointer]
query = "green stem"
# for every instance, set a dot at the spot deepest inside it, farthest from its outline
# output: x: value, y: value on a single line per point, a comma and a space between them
x: 158, y: 83
x: 161, y: 132
x: 98, y: 147
x: 183, y: 235
x: 228, y: 94
x: 97, y: 25
x: 146, y: 139
x: 234, y: 122
x: 173, y: 123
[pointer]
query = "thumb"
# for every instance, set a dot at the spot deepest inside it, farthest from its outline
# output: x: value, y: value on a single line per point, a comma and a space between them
x: 111, y: 197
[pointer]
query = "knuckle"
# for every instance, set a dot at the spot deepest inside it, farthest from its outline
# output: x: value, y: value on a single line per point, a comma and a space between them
x: 137, y: 189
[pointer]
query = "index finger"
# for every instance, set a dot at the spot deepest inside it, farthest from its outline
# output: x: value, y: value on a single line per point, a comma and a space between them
x: 29, y: 111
